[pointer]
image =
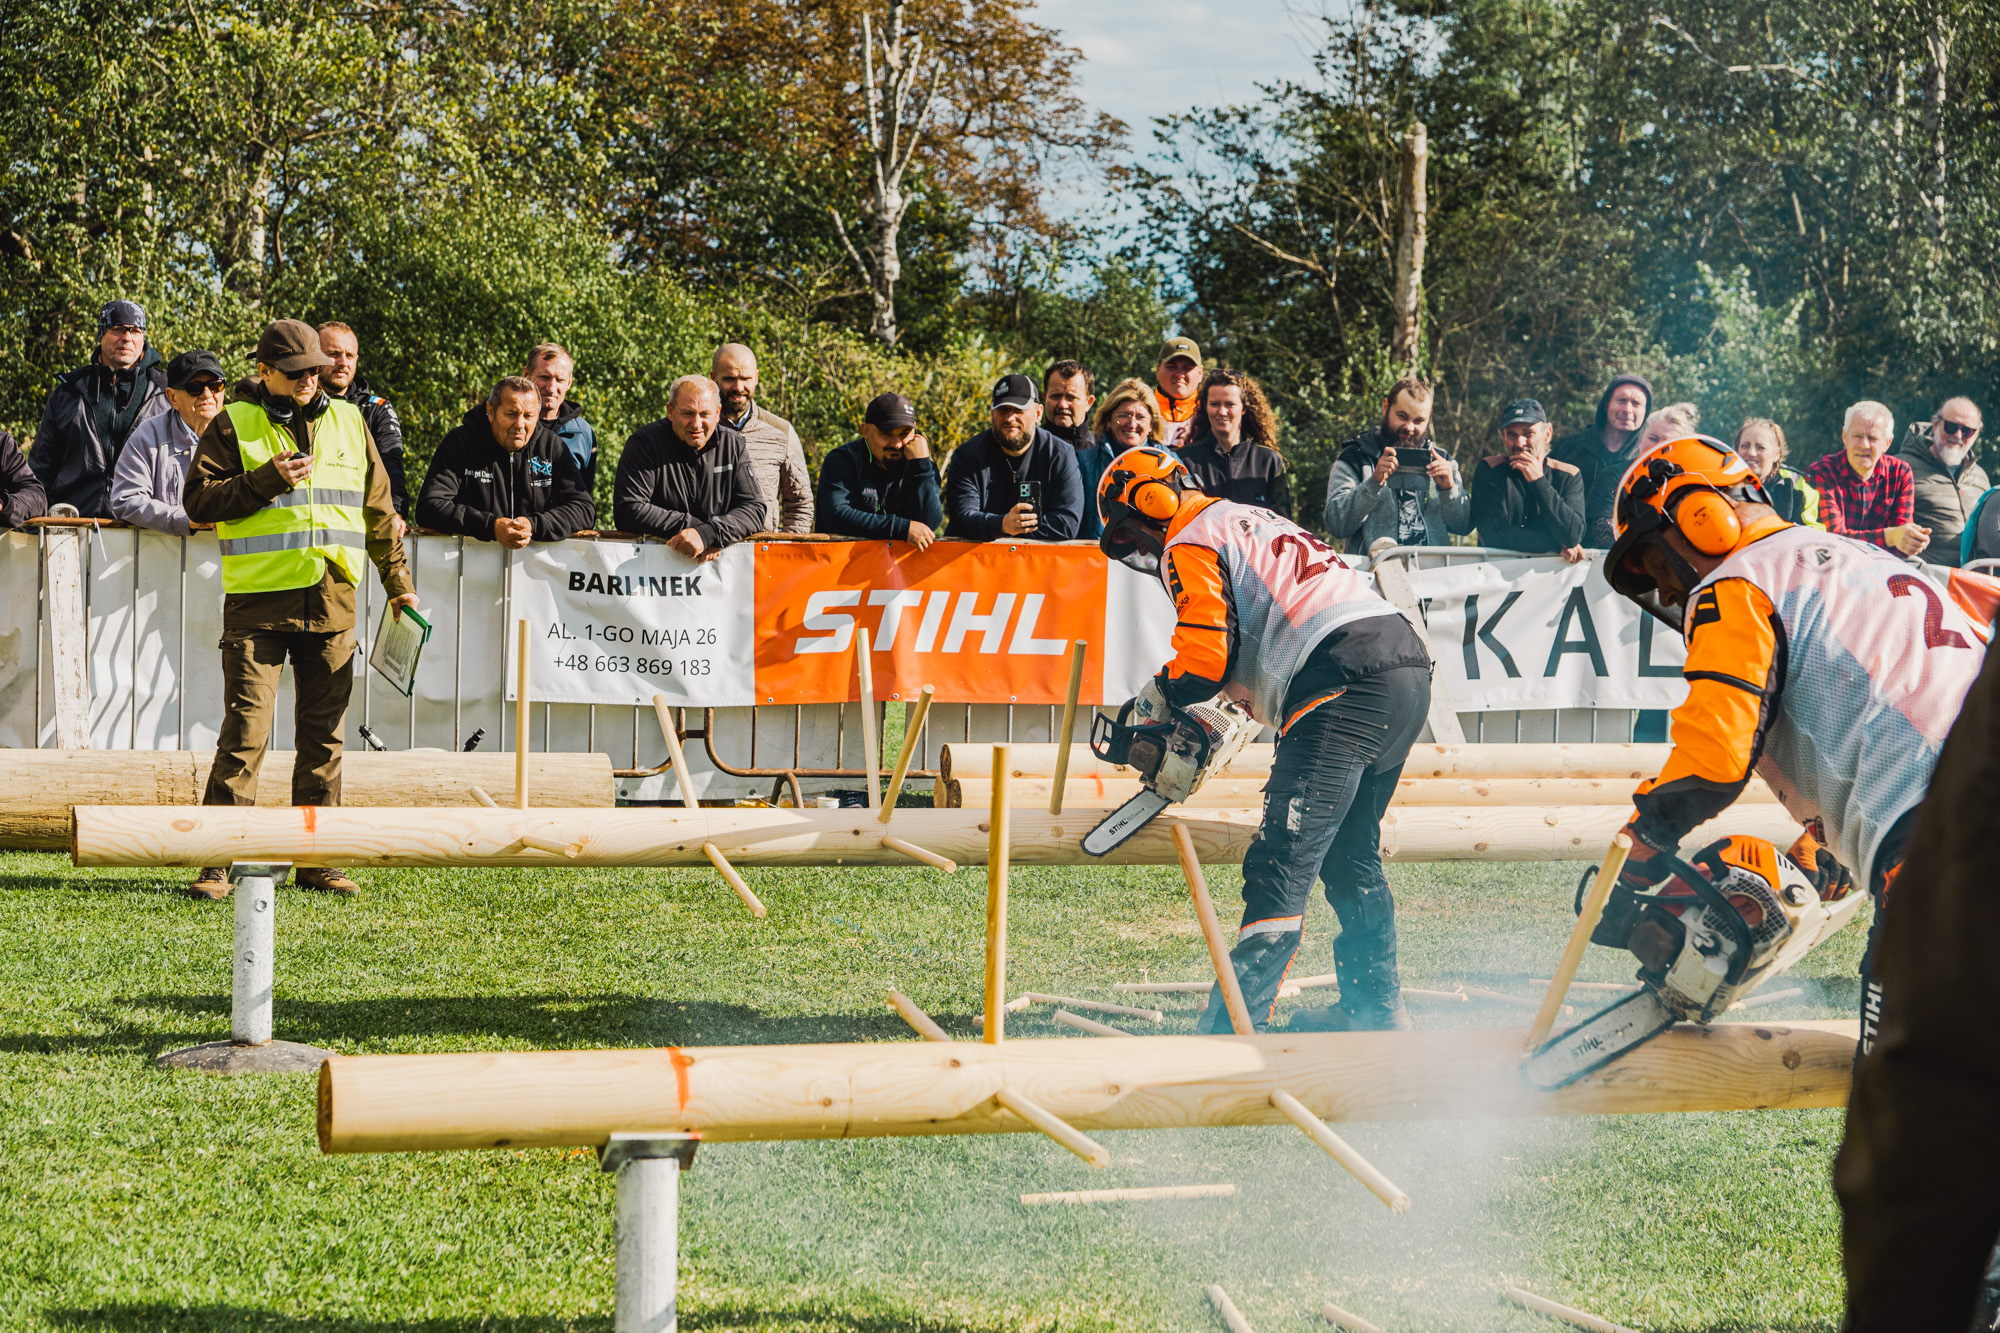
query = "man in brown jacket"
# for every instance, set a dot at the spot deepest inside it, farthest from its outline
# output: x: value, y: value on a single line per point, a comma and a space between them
x: 777, y: 458
x: 295, y: 483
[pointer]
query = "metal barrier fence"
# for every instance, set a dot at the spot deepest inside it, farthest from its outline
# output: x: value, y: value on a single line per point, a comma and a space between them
x: 153, y: 617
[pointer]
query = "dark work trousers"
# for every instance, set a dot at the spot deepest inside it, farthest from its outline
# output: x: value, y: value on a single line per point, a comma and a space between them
x: 1331, y: 779
x: 322, y: 680
x: 1888, y: 865
x: 1918, y: 1173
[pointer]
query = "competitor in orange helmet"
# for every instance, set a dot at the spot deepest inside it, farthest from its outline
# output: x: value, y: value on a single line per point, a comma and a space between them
x: 1829, y: 666
x: 1269, y: 615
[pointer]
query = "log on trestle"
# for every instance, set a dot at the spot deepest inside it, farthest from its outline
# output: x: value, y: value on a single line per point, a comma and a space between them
x: 547, y: 1099
x: 477, y: 836
x: 1528, y: 759
x: 1108, y: 793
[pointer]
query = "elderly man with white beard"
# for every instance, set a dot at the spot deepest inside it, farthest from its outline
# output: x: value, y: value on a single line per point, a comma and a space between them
x: 1950, y: 481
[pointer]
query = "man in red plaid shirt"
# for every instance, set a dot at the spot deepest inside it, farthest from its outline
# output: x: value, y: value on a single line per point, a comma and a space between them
x: 1865, y: 494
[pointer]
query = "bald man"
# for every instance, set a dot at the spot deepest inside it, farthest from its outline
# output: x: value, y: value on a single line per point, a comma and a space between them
x: 776, y: 456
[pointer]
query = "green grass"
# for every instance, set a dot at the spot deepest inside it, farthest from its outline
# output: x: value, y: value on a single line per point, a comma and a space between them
x: 137, y: 1199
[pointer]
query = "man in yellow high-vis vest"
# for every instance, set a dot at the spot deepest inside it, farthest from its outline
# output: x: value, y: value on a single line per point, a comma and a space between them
x: 300, y: 498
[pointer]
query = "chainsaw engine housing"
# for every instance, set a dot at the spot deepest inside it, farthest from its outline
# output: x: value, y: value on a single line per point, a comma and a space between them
x: 1704, y: 946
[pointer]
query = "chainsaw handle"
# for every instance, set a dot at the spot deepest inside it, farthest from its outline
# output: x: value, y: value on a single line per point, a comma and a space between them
x: 1711, y: 896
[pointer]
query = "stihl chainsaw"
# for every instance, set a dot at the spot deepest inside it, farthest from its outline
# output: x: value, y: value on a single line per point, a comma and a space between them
x: 1742, y: 913
x: 1171, y: 749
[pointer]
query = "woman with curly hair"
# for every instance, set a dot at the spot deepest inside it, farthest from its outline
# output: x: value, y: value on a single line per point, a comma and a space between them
x: 1232, y: 448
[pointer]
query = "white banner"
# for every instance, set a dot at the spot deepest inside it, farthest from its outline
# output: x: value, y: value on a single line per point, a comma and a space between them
x: 1538, y: 633
x: 619, y: 622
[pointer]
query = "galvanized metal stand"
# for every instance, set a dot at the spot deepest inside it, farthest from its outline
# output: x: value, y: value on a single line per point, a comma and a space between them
x: 250, y: 1049
x: 647, y: 1231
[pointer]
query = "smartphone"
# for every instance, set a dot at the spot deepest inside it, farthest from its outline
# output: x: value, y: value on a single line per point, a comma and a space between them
x: 1030, y: 493
x: 1413, y: 460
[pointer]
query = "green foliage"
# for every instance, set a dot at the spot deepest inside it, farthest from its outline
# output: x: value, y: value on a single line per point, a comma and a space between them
x: 1750, y: 363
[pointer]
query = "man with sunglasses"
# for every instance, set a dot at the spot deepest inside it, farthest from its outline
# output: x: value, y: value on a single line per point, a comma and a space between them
x: 146, y: 484
x: 93, y: 410
x: 300, y: 499
x: 1949, y: 480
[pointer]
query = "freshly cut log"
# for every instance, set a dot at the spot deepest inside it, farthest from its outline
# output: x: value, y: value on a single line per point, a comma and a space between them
x: 548, y: 1099
x: 1525, y: 760
x: 1108, y: 793
x: 43, y: 785
x: 476, y: 836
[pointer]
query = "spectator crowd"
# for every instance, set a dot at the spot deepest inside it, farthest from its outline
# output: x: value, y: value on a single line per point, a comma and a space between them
x: 117, y: 438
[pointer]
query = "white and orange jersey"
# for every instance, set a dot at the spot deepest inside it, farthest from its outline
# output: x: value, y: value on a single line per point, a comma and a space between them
x: 1253, y: 595
x: 1836, y: 668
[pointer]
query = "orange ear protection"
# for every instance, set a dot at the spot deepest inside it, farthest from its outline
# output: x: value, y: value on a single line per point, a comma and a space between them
x: 1155, y: 499
x: 1707, y: 520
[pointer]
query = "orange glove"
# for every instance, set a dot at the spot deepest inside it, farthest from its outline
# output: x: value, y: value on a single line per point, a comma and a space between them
x: 1833, y: 880
x: 1644, y: 865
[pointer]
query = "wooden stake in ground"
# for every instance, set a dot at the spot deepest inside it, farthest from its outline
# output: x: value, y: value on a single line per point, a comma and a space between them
x: 913, y: 727
x: 1579, y: 940
x: 675, y: 755
x: 1225, y: 1307
x: 1137, y: 1195
x: 1338, y: 1149
x: 1101, y: 1006
x: 864, y: 667
x: 1076, y: 652
x: 1340, y: 1318
x: 1218, y: 950
x: 521, y: 716
x: 1082, y: 1024
x: 925, y: 1025
x: 996, y: 902
x: 916, y: 853
x: 1568, y: 1314
x: 730, y: 877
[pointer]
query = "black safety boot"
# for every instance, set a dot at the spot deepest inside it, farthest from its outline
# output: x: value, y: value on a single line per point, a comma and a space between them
x: 1260, y: 964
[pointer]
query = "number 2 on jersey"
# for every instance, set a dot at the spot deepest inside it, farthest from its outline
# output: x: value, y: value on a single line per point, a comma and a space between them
x: 1935, y: 634
x: 1306, y: 567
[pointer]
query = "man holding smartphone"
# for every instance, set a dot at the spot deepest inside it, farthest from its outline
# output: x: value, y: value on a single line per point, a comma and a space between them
x: 300, y: 498
x: 1392, y: 482
x: 1014, y: 479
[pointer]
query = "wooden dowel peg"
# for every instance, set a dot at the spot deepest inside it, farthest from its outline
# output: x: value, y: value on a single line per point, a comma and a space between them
x: 1218, y: 951
x: 913, y: 729
x: 1076, y: 654
x: 1579, y: 940
x: 1768, y: 997
x: 1340, y: 1318
x: 1567, y: 1313
x: 731, y: 878
x: 479, y: 795
x: 1086, y: 1148
x: 1082, y: 1024
x: 1501, y: 997
x: 1101, y: 1006
x: 550, y: 845
x: 1457, y: 996
x: 1619, y: 987
x: 1013, y: 1006
x: 925, y: 1025
x: 521, y: 715
x: 1231, y: 1316
x: 1314, y: 983
x: 916, y: 853
x: 1136, y: 1195
x: 864, y: 667
x: 996, y: 901
x: 1162, y: 987
x: 1337, y: 1148
x: 675, y: 754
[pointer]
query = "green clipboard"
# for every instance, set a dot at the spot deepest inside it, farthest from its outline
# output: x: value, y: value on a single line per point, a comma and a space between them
x: 399, y: 643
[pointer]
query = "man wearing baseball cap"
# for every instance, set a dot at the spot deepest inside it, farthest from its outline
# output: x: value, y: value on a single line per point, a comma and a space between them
x: 94, y: 409
x: 1522, y: 499
x: 883, y: 484
x: 151, y: 472
x: 300, y: 498
x: 1014, y: 479
x: 1178, y: 377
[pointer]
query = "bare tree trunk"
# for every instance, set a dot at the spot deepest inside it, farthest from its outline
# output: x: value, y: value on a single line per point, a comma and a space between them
x: 896, y: 112
x: 1937, y: 44
x: 1408, y: 312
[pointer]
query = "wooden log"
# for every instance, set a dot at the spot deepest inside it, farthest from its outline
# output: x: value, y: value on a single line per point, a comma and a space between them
x: 913, y: 730
x: 521, y: 716
x: 42, y: 786
x: 1107, y: 793
x: 731, y: 878
x: 1138, y: 1194
x: 916, y: 853
x: 1066, y: 736
x: 530, y: 1099
x: 1490, y: 760
x: 1341, y: 1151
x: 1340, y: 1318
x: 1579, y: 939
x: 470, y: 836
x: 1231, y: 1316
x: 1090, y: 1025
x: 1569, y: 1314
x: 996, y: 901
x: 1211, y: 931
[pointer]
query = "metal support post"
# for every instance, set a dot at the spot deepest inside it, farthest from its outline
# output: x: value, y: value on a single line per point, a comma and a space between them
x: 646, y: 1233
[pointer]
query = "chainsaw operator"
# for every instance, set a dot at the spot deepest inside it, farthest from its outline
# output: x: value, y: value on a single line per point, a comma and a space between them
x: 1268, y: 615
x: 1825, y: 664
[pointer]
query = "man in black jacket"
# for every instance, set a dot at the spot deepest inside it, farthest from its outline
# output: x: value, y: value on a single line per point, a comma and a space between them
x: 503, y: 476
x: 687, y: 478
x: 1523, y: 500
x: 885, y: 484
x: 1014, y: 479
x: 21, y: 496
x: 342, y: 379
x: 1603, y: 451
x: 91, y: 411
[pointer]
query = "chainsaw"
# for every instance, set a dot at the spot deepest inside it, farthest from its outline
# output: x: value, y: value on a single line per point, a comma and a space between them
x: 1172, y: 750
x: 1740, y: 915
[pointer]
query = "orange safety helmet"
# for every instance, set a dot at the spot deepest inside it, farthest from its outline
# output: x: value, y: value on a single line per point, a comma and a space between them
x: 1142, y: 490
x: 1690, y: 486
